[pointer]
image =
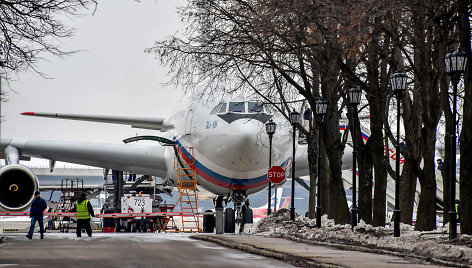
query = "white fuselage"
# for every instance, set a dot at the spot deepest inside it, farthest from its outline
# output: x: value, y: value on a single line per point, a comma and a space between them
x: 231, y: 149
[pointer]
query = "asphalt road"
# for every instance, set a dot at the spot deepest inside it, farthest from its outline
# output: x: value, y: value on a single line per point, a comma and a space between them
x: 123, y: 250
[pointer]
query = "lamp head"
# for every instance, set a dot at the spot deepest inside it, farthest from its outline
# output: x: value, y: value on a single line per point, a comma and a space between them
x: 321, y: 107
x: 355, y: 95
x: 270, y: 127
x: 455, y: 62
x: 294, y: 117
x: 398, y: 82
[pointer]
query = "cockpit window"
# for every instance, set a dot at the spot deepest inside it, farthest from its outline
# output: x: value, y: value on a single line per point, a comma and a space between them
x: 254, y: 107
x: 217, y: 108
x: 267, y: 110
x: 250, y: 110
x: 251, y: 107
x: 223, y: 108
x: 237, y: 107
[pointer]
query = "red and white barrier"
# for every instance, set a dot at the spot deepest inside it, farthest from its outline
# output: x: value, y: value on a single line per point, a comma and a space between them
x: 106, y: 215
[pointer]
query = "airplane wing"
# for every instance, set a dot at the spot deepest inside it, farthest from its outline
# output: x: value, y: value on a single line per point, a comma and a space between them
x: 133, y: 121
x: 18, y: 183
x: 140, y: 159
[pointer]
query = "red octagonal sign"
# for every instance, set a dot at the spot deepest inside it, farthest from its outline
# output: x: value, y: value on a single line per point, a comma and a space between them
x: 276, y: 174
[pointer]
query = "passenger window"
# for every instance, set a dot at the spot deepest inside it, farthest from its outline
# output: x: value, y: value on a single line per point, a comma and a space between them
x: 223, y: 108
x: 237, y: 107
x: 255, y: 107
x: 217, y: 108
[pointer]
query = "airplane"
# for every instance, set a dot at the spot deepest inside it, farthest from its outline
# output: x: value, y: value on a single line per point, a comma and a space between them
x: 261, y: 212
x: 231, y: 150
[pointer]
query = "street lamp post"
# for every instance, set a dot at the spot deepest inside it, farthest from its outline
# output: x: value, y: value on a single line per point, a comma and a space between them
x: 270, y: 129
x: 294, y: 118
x: 321, y: 106
x: 455, y: 64
x: 398, y: 83
x: 355, y: 95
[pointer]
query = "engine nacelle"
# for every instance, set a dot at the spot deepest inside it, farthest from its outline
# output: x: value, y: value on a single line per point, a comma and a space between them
x: 17, y: 186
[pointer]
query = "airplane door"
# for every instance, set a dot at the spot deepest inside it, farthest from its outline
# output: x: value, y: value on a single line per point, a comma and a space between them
x: 190, y: 114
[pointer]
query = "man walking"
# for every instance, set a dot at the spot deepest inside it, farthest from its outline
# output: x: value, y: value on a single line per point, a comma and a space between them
x: 36, y: 214
x: 84, y: 212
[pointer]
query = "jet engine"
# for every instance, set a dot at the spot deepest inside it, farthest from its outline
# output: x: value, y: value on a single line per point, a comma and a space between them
x: 17, y: 186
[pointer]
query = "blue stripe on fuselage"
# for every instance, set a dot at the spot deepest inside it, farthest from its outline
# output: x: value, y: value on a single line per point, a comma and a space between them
x: 222, y: 178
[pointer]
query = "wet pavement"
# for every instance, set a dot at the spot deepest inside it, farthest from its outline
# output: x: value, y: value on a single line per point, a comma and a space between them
x: 182, y: 250
x: 123, y: 250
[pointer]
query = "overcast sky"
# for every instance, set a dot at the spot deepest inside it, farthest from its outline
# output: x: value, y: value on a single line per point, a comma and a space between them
x: 112, y: 75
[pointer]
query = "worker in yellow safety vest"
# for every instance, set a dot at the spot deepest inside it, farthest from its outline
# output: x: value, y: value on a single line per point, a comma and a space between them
x: 458, y: 210
x: 84, y: 213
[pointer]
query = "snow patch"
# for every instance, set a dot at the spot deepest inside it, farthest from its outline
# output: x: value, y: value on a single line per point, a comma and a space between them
x: 432, y: 244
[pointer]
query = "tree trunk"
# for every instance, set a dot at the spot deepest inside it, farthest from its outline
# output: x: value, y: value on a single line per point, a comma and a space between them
x: 365, y: 185
x: 466, y: 134
x: 312, y: 139
x: 426, y: 216
x: 325, y: 185
x: 444, y: 104
x: 408, y: 192
x: 376, y: 150
x: 338, y: 209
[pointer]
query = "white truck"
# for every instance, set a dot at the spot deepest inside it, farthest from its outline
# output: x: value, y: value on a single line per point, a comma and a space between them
x: 137, y: 203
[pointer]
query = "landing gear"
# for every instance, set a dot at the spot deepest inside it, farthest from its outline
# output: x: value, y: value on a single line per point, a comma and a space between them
x: 238, y: 197
x: 226, y: 222
x: 230, y: 223
x: 219, y: 214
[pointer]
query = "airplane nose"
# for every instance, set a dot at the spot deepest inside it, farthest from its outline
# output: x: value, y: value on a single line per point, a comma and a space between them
x: 244, y: 145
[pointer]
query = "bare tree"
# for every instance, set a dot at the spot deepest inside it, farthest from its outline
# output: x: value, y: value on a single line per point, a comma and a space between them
x: 278, y: 49
x: 30, y: 28
x: 288, y: 50
x: 464, y: 15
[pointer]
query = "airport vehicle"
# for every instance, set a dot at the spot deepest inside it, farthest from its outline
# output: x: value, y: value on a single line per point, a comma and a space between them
x: 228, y: 139
x: 136, y: 203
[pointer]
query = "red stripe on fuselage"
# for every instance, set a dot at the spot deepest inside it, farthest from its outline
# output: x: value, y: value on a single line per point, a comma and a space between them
x: 220, y: 183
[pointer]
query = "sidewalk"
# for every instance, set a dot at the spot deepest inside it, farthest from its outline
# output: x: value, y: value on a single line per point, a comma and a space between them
x: 306, y: 255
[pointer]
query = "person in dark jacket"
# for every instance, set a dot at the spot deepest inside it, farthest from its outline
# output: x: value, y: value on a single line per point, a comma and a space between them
x: 84, y: 213
x: 243, y: 215
x: 36, y: 214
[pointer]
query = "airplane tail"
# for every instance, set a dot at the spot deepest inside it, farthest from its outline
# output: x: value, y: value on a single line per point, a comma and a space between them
x: 286, y: 202
x: 272, y: 199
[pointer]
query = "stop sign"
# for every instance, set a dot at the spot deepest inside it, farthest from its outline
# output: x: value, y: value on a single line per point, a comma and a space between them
x: 276, y: 174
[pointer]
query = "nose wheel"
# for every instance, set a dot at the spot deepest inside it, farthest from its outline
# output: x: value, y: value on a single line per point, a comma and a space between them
x: 226, y: 219
x: 230, y: 223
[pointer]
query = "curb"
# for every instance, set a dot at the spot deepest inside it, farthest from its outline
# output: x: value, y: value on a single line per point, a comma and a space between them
x: 292, y: 259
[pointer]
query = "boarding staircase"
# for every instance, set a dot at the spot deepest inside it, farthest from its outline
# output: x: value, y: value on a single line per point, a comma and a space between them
x: 71, y: 190
x: 184, y: 165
